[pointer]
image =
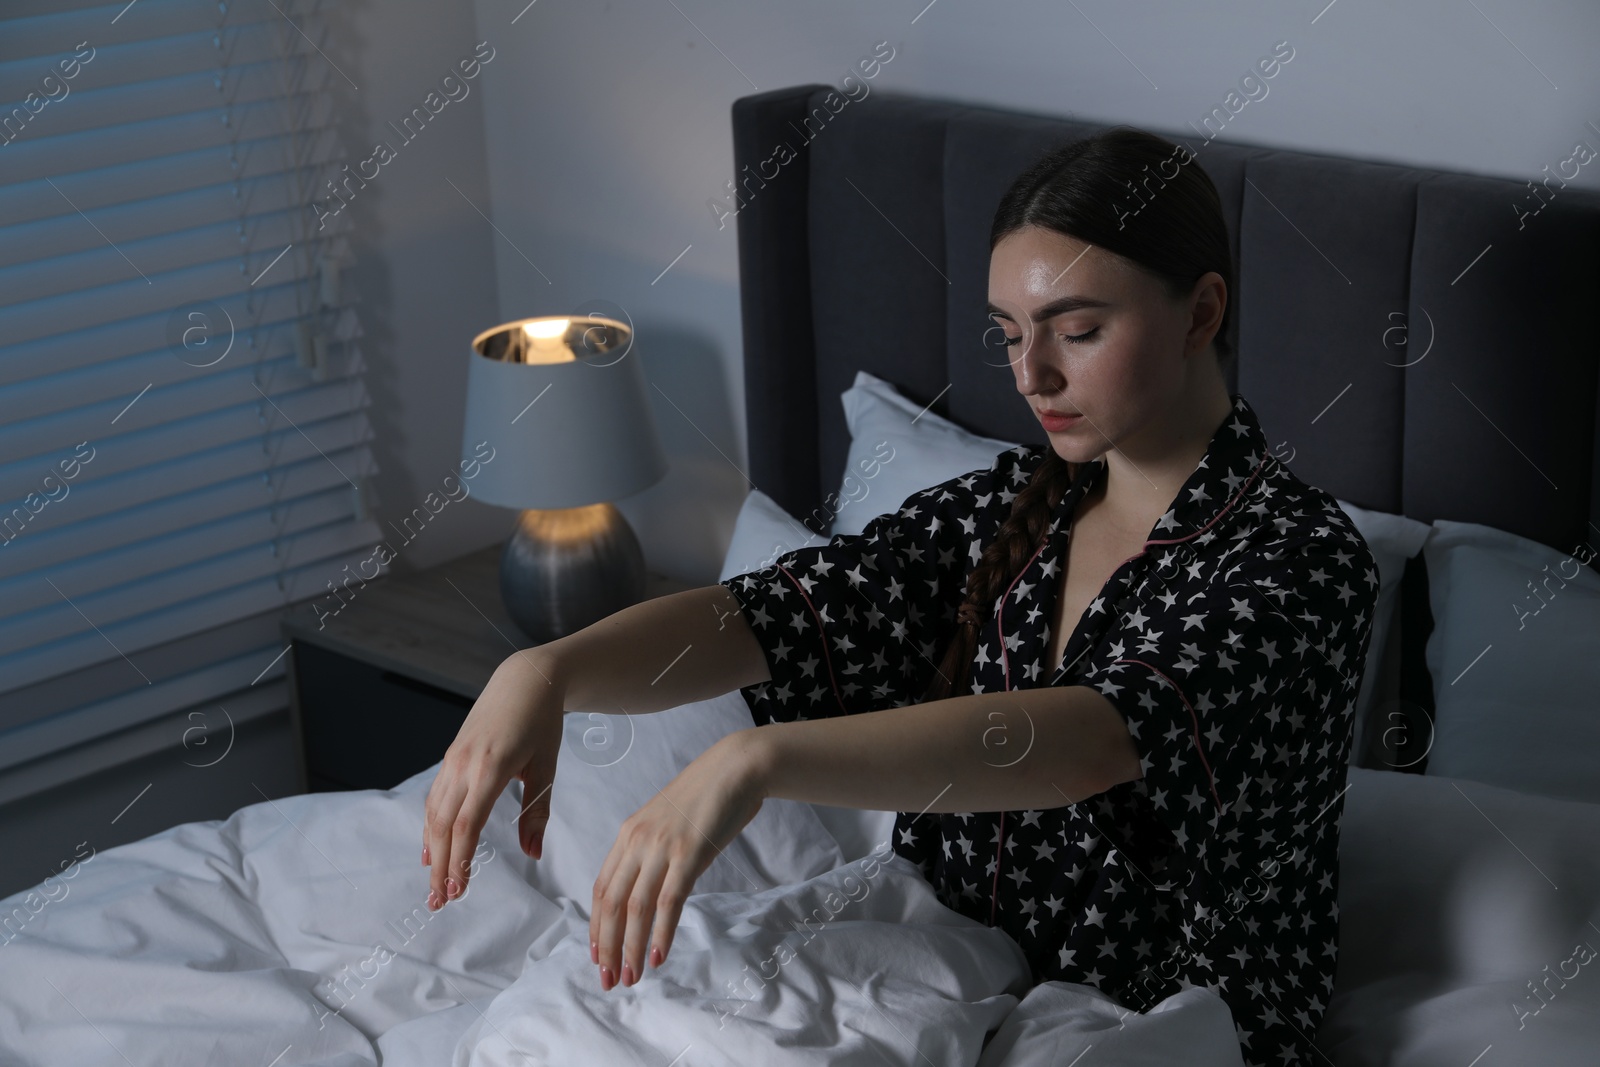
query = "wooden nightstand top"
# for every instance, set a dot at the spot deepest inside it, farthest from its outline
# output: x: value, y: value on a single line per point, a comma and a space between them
x: 445, y: 625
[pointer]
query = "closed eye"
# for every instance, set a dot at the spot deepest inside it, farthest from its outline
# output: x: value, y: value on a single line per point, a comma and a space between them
x: 1070, y: 338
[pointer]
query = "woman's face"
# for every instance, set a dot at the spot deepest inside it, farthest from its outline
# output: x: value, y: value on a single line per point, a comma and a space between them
x: 1089, y: 333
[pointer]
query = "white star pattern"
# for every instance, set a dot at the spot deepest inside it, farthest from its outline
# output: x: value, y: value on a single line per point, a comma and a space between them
x: 1231, y: 647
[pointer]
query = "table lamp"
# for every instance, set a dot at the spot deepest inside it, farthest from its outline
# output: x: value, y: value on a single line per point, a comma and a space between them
x: 562, y: 401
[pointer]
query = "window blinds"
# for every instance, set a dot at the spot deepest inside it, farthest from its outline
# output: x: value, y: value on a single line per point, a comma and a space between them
x: 184, y: 448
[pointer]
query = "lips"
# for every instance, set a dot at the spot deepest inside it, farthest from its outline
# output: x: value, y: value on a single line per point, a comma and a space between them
x: 1058, y: 421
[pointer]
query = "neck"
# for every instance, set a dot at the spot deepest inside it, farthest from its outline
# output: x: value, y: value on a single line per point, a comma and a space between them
x: 1146, y: 470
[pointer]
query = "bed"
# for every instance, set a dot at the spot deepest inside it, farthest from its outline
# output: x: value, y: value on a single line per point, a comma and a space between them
x: 1422, y: 351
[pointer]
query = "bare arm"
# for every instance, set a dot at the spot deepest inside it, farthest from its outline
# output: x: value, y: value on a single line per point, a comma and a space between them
x: 1022, y: 750
x: 648, y: 657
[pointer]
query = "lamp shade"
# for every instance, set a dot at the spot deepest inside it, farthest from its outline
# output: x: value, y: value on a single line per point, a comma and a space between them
x: 562, y: 402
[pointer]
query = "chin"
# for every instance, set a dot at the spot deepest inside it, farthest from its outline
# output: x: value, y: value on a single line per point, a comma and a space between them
x: 1075, y: 451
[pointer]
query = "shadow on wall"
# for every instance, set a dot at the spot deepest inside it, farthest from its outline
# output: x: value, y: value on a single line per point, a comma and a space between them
x: 421, y: 255
x: 688, y: 516
x: 368, y: 272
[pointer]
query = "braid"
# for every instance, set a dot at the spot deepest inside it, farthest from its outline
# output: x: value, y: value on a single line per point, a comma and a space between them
x: 1002, y: 560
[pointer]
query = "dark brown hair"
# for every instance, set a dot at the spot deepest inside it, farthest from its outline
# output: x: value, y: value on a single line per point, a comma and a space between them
x: 1145, y: 199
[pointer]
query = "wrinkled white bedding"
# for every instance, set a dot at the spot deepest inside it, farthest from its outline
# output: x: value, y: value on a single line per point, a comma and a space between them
x: 294, y: 933
x: 826, y: 971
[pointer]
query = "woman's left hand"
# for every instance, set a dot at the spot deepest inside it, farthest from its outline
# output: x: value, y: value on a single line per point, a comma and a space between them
x: 663, y: 848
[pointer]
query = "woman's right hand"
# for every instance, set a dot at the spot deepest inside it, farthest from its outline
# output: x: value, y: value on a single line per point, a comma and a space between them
x: 512, y: 731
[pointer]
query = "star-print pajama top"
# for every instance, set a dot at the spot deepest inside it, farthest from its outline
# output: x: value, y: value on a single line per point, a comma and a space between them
x: 1232, y: 645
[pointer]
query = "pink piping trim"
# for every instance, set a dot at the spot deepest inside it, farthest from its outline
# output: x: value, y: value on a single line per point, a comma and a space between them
x: 822, y: 636
x: 1194, y: 718
x: 1000, y: 622
x: 1000, y: 625
x: 1226, y: 508
x: 1005, y: 661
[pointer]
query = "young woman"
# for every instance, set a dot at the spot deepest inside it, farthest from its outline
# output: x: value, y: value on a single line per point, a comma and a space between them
x: 1107, y: 684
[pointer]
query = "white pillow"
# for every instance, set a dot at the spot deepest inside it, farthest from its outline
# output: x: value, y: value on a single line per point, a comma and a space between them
x: 896, y: 449
x: 1516, y: 675
x: 1393, y: 539
x: 762, y: 533
x: 1443, y: 925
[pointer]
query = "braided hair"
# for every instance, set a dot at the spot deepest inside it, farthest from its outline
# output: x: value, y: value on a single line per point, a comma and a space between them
x: 1145, y: 199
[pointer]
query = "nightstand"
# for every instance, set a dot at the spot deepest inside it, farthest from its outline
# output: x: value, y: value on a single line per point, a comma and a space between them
x: 379, y: 690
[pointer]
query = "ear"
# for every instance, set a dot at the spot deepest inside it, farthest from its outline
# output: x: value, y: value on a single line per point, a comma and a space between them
x: 1207, y: 302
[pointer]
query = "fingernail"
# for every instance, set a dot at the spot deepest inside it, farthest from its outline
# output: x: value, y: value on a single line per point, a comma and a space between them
x: 594, y: 952
x: 433, y: 900
x: 538, y: 844
x: 655, y: 955
x: 605, y: 978
x: 627, y: 974
x: 426, y: 857
x: 450, y: 888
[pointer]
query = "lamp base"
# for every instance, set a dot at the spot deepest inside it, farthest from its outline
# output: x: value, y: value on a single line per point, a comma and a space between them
x: 565, y: 568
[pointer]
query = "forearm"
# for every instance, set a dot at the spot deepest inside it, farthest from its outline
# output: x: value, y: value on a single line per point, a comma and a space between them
x: 1027, y: 749
x: 650, y: 656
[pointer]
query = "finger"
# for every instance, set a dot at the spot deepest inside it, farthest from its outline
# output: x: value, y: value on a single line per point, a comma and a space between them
x: 608, y: 868
x: 439, y: 823
x: 535, y: 814
x: 427, y: 815
x: 640, y: 913
x: 675, y: 890
x: 613, y: 900
x: 464, y: 831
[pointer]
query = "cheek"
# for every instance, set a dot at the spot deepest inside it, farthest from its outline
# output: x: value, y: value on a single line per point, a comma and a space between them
x: 1135, y: 354
x: 1113, y: 379
x: 1100, y: 367
x: 1139, y: 383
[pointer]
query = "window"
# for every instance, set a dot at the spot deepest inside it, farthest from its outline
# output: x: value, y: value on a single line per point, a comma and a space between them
x: 183, y: 440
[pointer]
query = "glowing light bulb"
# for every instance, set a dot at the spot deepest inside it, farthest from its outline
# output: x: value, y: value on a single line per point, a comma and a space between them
x: 545, y: 328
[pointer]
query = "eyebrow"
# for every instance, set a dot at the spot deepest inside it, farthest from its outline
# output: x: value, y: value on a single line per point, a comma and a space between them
x: 1056, y: 307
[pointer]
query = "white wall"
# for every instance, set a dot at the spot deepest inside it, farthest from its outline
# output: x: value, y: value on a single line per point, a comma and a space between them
x: 608, y: 129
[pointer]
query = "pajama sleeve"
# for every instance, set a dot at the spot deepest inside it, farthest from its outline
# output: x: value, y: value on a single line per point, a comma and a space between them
x: 1241, y: 695
x: 860, y: 623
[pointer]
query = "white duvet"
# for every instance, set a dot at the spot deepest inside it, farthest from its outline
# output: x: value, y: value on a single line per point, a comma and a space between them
x: 294, y: 933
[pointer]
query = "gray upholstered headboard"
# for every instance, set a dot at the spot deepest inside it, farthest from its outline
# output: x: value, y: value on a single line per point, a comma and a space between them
x: 869, y: 250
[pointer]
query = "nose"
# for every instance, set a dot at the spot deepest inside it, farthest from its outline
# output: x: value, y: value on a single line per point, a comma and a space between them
x: 1032, y: 366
